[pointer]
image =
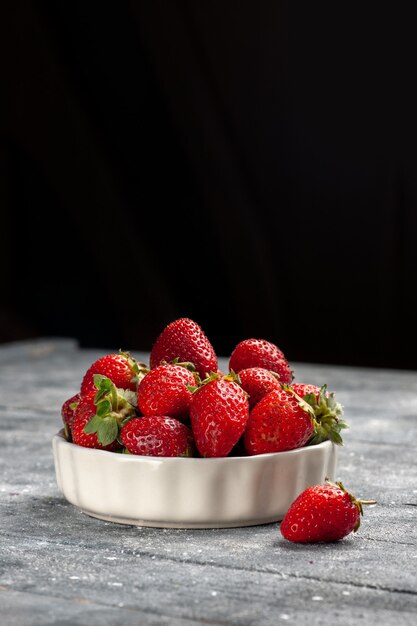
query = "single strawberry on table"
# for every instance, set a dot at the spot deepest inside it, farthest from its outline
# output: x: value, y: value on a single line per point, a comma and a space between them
x: 257, y: 382
x: 260, y: 353
x: 324, y: 512
x: 219, y: 412
x: 122, y: 369
x: 165, y: 391
x: 99, y: 416
x: 157, y: 435
x: 184, y: 339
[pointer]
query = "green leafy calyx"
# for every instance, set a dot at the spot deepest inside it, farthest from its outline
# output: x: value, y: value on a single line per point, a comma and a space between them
x: 326, y: 414
x: 202, y: 383
x: 114, y: 407
x: 138, y: 368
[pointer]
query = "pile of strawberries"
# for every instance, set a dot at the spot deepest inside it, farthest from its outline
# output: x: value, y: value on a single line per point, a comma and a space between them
x: 182, y: 405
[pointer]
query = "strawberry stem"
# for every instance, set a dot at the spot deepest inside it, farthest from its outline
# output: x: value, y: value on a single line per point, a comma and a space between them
x: 355, y: 500
x: 233, y: 376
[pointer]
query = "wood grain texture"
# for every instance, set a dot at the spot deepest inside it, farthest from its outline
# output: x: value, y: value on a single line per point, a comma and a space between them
x: 59, y: 566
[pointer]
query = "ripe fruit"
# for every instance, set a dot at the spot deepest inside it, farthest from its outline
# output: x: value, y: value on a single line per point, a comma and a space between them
x: 99, y: 417
x: 324, y: 409
x: 164, y: 391
x: 322, y: 513
x: 68, y: 408
x: 257, y: 382
x: 277, y: 423
x: 122, y: 369
x: 157, y: 436
x: 219, y: 412
x: 260, y: 353
x: 251, y: 410
x: 303, y: 389
x: 184, y: 339
x: 86, y: 409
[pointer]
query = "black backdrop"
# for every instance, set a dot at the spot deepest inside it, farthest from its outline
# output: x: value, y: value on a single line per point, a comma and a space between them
x: 248, y: 165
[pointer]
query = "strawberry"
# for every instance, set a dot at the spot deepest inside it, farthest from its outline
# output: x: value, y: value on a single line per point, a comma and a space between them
x: 164, y: 391
x: 260, y: 353
x: 324, y: 512
x: 67, y: 410
x: 257, y: 382
x: 277, y: 423
x: 185, y: 340
x: 122, y: 369
x: 324, y: 409
x: 86, y: 409
x: 219, y: 412
x: 157, y: 436
x: 304, y: 389
x: 99, y: 417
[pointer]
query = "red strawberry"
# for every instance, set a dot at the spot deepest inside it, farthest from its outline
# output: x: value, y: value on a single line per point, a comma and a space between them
x: 260, y: 353
x: 277, y: 423
x: 84, y: 412
x: 257, y: 382
x: 164, y: 391
x: 325, y: 410
x: 99, y: 417
x: 303, y: 389
x: 157, y: 436
x: 322, y: 513
x: 219, y: 412
x: 122, y: 369
x: 185, y: 340
x: 68, y: 408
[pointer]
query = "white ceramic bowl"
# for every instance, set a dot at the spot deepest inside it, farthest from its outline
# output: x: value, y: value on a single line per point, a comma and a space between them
x: 188, y: 492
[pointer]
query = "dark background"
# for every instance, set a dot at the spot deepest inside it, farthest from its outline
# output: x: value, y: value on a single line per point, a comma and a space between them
x: 248, y: 165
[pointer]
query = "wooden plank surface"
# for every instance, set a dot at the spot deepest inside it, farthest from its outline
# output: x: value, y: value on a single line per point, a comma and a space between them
x: 59, y: 566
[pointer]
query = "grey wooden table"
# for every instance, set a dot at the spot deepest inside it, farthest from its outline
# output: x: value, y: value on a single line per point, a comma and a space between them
x: 59, y: 566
